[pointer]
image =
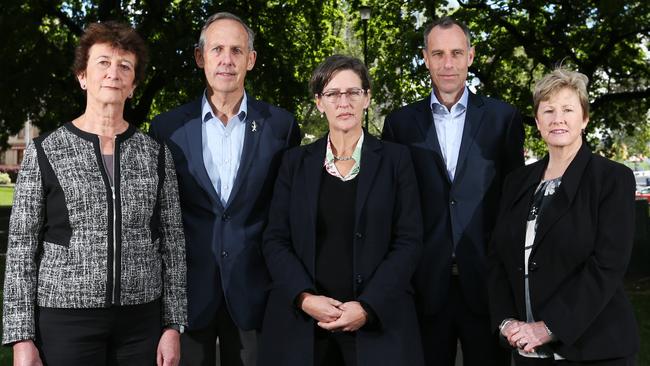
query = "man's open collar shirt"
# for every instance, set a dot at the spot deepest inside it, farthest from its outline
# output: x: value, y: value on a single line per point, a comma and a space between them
x: 223, y: 146
x: 449, y: 128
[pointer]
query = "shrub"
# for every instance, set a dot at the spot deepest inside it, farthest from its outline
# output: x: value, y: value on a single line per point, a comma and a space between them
x: 12, y: 171
x: 4, y: 178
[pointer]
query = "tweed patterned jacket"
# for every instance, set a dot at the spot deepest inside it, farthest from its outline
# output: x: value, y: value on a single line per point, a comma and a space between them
x: 77, y: 242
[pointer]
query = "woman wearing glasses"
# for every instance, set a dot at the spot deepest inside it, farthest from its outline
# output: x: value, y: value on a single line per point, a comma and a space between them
x: 343, y: 239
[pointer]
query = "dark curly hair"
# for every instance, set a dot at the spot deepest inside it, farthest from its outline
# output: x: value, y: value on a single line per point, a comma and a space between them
x: 118, y: 35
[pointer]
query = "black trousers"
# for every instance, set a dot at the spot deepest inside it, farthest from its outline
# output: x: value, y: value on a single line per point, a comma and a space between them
x: 525, y: 361
x: 456, y: 321
x: 334, y: 349
x: 119, y: 335
x: 236, y: 347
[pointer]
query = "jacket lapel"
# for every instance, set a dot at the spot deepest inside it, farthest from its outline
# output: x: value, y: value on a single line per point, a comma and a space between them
x: 473, y: 121
x: 194, y: 147
x: 565, y: 194
x: 424, y: 121
x: 252, y: 132
x: 313, y: 169
x: 370, y: 159
x: 520, y: 205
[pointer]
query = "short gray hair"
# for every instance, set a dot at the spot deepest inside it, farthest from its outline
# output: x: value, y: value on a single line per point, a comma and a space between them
x: 225, y: 15
x: 445, y: 23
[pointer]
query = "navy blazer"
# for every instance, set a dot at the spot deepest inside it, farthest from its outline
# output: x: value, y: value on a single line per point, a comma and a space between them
x: 387, y: 247
x: 223, y: 242
x: 580, y: 254
x: 461, y: 213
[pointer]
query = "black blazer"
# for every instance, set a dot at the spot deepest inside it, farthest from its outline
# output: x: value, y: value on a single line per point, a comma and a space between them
x: 223, y: 242
x: 459, y: 213
x: 581, y: 251
x: 387, y: 243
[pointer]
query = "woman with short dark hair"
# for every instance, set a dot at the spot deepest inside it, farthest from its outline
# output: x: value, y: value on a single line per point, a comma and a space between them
x: 96, y: 255
x: 343, y: 240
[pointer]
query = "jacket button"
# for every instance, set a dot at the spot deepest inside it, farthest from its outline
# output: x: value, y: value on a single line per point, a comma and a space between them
x: 225, y: 217
x: 358, y: 235
x: 359, y: 279
x: 452, y: 202
x: 224, y: 254
x: 520, y: 269
x: 532, y: 266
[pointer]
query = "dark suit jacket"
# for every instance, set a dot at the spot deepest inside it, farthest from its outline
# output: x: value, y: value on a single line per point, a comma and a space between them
x: 387, y: 243
x: 223, y: 243
x: 459, y: 213
x: 581, y: 251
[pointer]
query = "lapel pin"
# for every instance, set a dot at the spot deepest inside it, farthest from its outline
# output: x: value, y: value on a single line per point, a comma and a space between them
x: 254, y: 126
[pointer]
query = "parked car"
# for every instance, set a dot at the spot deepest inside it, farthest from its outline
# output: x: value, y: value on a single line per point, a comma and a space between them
x: 643, y: 193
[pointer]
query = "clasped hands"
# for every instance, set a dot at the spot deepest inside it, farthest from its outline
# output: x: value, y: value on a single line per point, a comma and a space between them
x: 526, y: 336
x: 332, y: 314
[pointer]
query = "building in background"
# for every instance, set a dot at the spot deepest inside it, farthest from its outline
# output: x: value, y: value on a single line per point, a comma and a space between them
x: 11, y: 157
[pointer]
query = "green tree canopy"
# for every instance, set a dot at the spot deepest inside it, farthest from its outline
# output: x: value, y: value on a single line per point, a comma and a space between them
x: 516, y: 42
x: 39, y: 39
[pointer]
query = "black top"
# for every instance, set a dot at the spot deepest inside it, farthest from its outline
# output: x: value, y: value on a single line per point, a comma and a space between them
x: 334, y: 235
x: 109, y: 167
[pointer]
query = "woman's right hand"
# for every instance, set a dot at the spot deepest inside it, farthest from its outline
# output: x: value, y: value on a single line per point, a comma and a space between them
x: 322, y: 308
x: 510, y: 329
x: 26, y: 354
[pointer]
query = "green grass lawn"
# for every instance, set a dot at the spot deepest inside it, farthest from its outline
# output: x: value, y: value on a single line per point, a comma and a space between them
x: 639, y: 293
x: 6, y: 195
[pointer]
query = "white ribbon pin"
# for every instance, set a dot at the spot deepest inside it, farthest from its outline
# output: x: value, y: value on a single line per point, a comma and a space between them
x: 254, y: 126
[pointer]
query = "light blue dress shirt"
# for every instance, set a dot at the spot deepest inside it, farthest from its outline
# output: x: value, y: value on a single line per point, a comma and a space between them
x: 449, y: 128
x: 222, y: 147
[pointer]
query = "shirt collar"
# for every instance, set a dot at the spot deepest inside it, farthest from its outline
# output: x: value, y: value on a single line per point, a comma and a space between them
x: 206, y: 109
x: 462, y: 102
x: 356, y: 154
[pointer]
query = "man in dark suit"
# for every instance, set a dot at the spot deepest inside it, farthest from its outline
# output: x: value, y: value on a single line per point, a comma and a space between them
x: 227, y: 148
x: 462, y: 146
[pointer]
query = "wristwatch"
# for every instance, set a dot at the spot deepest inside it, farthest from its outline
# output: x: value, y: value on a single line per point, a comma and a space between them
x: 177, y: 327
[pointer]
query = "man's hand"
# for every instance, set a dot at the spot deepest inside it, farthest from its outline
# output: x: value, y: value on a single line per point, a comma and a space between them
x: 26, y: 354
x: 169, y: 348
x: 322, y: 308
x: 352, y: 318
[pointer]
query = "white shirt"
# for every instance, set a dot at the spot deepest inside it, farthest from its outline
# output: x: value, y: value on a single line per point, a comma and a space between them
x: 449, y: 128
x: 222, y: 147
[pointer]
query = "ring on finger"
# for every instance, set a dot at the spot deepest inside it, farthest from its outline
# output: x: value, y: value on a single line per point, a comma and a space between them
x: 521, y: 343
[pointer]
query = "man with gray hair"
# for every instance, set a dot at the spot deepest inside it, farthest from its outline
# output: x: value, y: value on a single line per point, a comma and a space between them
x: 463, y: 145
x: 227, y: 148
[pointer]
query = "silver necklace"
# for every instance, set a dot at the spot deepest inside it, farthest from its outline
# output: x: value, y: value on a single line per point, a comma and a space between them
x: 342, y: 158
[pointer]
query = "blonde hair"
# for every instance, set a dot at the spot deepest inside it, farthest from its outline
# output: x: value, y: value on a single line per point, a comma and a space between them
x: 558, y: 79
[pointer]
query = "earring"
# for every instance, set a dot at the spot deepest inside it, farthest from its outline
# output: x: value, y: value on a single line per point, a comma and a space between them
x: 582, y: 131
x: 83, y: 86
x: 321, y: 115
x: 131, y: 95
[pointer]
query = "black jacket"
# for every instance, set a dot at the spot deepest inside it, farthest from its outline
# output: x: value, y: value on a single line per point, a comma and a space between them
x: 386, y: 250
x: 580, y: 255
x: 461, y: 213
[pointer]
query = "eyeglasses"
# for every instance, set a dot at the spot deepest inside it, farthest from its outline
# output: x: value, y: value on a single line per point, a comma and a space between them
x: 333, y: 96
